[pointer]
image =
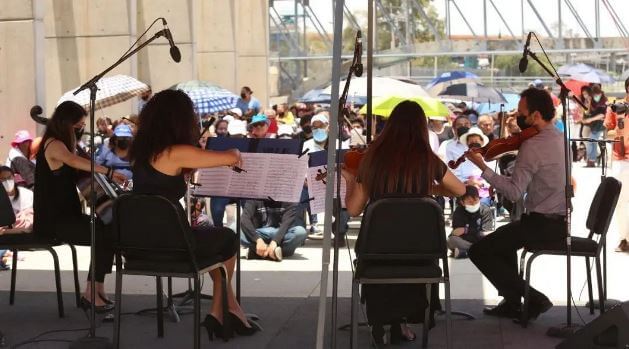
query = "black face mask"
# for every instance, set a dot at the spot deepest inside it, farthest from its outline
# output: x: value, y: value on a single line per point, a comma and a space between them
x: 123, y: 144
x: 474, y: 145
x: 78, y: 133
x: 521, y: 121
x: 461, y: 130
x: 307, y: 129
x: 243, y: 95
x: 281, y: 115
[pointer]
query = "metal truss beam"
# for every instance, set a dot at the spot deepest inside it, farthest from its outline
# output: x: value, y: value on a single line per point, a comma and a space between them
x: 283, y: 29
x: 576, y: 15
x: 392, y: 22
x: 312, y: 16
x: 622, y: 30
x: 541, y: 20
x: 464, y: 19
x: 431, y: 26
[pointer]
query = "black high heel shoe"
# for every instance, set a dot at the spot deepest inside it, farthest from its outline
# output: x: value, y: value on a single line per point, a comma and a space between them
x: 240, y: 328
x: 212, y: 326
x: 100, y: 309
x: 105, y: 299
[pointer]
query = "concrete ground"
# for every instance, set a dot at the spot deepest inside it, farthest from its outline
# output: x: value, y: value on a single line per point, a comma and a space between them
x: 285, y: 296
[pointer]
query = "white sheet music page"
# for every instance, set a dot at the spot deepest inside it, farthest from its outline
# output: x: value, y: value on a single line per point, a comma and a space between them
x: 265, y: 175
x: 316, y: 188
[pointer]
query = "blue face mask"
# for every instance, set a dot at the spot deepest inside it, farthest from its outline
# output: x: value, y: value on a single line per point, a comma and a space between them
x: 320, y: 135
x: 597, y: 98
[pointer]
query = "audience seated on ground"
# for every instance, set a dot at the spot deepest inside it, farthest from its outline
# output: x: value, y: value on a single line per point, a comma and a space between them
x: 471, y: 219
x: 270, y: 229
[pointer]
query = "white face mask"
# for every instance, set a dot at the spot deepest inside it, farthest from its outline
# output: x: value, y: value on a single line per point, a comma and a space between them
x: 8, y: 185
x: 472, y: 208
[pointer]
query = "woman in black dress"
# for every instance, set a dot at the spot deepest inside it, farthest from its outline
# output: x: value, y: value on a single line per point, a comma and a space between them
x: 386, y: 169
x: 165, y: 146
x: 56, y: 205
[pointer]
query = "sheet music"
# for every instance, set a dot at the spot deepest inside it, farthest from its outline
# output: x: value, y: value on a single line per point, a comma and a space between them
x: 267, y: 175
x: 316, y: 189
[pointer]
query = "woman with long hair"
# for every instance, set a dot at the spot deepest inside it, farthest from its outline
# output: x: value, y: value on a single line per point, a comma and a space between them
x: 165, y: 146
x: 56, y: 203
x: 399, y: 161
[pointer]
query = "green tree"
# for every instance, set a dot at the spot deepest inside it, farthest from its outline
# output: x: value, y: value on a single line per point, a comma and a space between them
x: 418, y: 27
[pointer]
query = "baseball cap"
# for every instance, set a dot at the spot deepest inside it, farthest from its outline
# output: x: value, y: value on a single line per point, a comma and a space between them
x: 259, y: 118
x: 236, y: 111
x: 319, y: 117
x: 21, y: 136
x: 123, y: 130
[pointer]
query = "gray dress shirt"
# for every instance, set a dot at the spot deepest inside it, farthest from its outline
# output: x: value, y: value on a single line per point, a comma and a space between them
x: 539, y: 172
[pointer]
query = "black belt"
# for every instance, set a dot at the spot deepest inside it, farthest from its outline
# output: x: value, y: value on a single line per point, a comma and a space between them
x: 551, y: 216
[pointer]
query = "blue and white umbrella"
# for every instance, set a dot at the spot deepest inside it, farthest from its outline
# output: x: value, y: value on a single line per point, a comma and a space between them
x: 584, y: 72
x: 438, y: 84
x: 207, y: 97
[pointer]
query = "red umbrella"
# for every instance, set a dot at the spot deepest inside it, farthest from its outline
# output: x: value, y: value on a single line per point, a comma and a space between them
x: 575, y: 86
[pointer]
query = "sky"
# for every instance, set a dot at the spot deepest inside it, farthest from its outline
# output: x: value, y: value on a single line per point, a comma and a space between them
x: 510, y: 9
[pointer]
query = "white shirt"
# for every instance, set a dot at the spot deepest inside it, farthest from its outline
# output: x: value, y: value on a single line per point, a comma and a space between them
x: 24, y: 200
x: 453, y: 150
x: 434, y: 141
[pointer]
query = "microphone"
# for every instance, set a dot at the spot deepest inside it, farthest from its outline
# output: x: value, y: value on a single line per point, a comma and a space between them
x: 358, y: 68
x: 524, y: 61
x: 175, y: 54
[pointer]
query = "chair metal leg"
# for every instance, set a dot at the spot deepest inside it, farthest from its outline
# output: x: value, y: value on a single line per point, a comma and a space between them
x: 522, y: 260
x: 527, y: 291
x: 160, y: 305
x: 449, y: 332
x: 75, y: 271
x: 426, y: 325
x: 118, y: 312
x: 197, y: 312
x: 588, y: 272
x: 55, y: 260
x: 353, y: 337
x: 226, y: 318
x: 13, y: 276
x: 599, y: 281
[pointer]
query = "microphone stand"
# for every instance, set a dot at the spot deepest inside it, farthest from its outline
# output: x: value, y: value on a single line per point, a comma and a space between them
x: 337, y: 199
x: 567, y: 329
x: 91, y: 341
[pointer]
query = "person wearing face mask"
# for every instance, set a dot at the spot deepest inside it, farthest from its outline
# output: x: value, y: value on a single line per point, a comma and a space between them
x: 118, y: 156
x: 220, y: 128
x: 594, y: 120
x: 454, y: 148
x: 470, y: 221
x: 22, y: 201
x: 475, y: 138
x: 19, y: 157
x: 357, y: 135
x: 539, y: 171
x: 616, y: 122
x: 248, y: 104
x: 306, y: 129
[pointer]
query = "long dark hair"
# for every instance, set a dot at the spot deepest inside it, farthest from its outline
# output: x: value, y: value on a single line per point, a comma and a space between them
x: 60, y: 125
x: 400, y: 160
x: 167, y: 119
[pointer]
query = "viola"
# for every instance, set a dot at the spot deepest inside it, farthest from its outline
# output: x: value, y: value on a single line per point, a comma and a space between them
x: 498, y: 147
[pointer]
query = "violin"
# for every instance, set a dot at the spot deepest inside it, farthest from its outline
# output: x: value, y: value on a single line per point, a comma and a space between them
x: 498, y: 147
x: 353, y: 158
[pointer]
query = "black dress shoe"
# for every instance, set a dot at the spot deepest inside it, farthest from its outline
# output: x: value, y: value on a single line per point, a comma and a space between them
x: 536, y: 307
x: 503, y: 309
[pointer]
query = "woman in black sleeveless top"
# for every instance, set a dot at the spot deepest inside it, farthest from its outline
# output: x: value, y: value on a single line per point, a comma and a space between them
x: 163, y: 149
x: 56, y: 205
x: 386, y: 169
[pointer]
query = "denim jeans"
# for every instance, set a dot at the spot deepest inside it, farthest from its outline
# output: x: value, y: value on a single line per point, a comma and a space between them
x: 294, y: 237
x: 592, y: 147
x: 217, y: 209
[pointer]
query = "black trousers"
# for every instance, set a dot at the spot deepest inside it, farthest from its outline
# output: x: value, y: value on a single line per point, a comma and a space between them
x: 76, y: 231
x: 496, y: 254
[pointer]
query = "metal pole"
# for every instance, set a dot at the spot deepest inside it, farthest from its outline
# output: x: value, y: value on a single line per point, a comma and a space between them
x: 370, y: 46
x: 597, y: 20
x: 559, y: 29
x: 329, y: 190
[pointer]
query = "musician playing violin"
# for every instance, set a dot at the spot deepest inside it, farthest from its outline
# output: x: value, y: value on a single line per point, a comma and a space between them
x: 539, y: 171
x: 58, y: 213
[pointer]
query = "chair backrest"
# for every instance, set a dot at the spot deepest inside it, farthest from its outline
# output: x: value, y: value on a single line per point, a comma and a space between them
x: 7, y: 216
x: 603, y: 206
x: 402, y: 228
x: 151, y: 227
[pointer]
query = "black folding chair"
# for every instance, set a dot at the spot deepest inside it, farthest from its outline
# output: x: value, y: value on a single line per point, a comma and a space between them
x: 598, y: 220
x: 154, y: 237
x: 399, y: 239
x: 31, y: 242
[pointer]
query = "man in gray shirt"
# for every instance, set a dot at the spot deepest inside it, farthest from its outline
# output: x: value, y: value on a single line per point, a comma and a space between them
x: 539, y: 172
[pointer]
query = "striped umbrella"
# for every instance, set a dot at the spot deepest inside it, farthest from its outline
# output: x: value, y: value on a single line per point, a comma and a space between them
x: 207, y: 97
x: 111, y: 90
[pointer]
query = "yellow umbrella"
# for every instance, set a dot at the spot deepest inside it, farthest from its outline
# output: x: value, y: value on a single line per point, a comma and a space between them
x: 384, y: 105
